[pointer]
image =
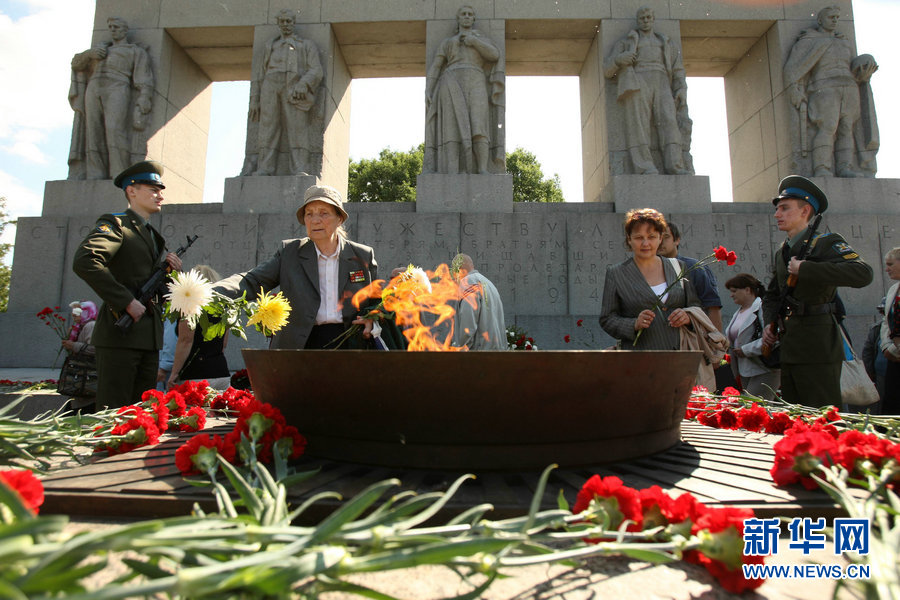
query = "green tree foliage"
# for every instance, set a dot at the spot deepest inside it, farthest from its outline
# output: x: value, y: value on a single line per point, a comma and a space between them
x: 529, y: 184
x: 389, y: 178
x: 4, y: 250
x: 392, y: 177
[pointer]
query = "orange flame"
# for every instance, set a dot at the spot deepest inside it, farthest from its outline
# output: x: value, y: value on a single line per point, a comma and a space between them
x: 425, y: 313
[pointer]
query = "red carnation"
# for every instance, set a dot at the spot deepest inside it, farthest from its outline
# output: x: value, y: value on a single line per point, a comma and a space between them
x: 189, y: 454
x: 613, y: 498
x: 779, y: 423
x: 797, y: 456
x: 730, y: 391
x: 579, y: 322
x: 754, y: 418
x: 728, y: 419
x: 710, y: 418
x: 567, y: 339
x: 138, y: 431
x: 194, y: 392
x: 721, y: 551
x: 194, y: 420
x: 24, y: 483
x: 721, y: 253
x: 855, y: 446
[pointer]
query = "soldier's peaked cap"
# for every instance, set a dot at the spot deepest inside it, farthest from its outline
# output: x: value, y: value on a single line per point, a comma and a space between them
x: 801, y: 188
x: 146, y: 171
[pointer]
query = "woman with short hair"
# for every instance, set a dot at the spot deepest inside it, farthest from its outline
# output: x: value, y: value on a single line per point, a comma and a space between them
x: 633, y: 286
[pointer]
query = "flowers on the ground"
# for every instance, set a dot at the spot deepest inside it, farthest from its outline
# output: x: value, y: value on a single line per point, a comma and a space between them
x: 198, y: 455
x: 26, y: 485
x: 716, y: 534
x: 718, y: 254
x: 610, y: 498
x: 260, y: 435
x: 269, y: 313
x: 518, y: 339
x: 188, y: 294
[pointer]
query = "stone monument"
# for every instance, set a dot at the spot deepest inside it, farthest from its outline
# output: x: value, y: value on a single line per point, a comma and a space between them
x: 464, y: 103
x: 546, y: 260
x: 105, y: 134
x: 836, y: 132
x: 652, y: 92
x: 283, y: 101
x: 464, y: 166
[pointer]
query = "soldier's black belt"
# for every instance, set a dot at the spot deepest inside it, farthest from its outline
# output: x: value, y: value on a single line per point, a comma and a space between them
x: 799, y: 309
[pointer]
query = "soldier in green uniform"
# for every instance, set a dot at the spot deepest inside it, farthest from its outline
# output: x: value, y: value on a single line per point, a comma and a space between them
x: 116, y: 258
x: 811, y: 344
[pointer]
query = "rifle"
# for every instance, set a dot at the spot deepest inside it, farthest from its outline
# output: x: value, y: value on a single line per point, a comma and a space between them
x: 152, y: 285
x: 791, y: 283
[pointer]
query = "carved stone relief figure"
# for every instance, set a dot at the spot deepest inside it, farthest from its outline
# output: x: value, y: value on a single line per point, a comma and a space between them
x: 283, y: 98
x: 651, y: 89
x: 104, y: 142
x: 836, y: 132
x: 464, y: 99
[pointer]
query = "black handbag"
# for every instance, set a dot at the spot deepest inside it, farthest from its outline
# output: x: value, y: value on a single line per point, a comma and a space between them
x: 78, y: 376
x: 773, y: 360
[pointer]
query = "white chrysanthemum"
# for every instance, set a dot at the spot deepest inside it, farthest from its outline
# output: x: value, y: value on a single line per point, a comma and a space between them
x: 416, y: 279
x: 76, y: 311
x: 189, y: 293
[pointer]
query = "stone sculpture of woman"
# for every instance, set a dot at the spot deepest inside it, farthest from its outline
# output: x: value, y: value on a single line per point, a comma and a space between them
x: 464, y: 103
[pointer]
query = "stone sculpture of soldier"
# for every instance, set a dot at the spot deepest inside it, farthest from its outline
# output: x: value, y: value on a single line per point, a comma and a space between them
x: 828, y: 86
x: 282, y: 98
x: 107, y: 112
x: 652, y: 90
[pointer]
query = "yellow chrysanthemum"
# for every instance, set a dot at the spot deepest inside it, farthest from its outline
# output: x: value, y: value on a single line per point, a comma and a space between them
x: 271, y: 313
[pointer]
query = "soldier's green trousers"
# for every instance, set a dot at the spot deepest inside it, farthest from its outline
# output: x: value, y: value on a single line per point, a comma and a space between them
x: 816, y: 384
x: 123, y: 374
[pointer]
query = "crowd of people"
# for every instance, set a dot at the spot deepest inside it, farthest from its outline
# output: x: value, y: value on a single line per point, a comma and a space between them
x: 657, y: 299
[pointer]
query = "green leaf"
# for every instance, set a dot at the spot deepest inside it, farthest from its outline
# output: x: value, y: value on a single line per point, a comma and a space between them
x: 352, y: 509
x: 242, y: 487
x: 561, y: 501
x: 650, y: 556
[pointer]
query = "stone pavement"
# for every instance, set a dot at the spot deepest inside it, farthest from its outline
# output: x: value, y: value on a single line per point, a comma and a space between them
x: 593, y: 579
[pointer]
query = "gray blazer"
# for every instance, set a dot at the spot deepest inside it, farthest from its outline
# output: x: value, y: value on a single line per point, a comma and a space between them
x: 626, y: 293
x: 295, y: 268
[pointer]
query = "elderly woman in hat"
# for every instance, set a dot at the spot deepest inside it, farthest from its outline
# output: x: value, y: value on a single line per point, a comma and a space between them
x: 318, y: 274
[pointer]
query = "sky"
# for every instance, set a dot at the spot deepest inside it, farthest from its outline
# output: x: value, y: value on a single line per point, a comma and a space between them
x: 39, y: 37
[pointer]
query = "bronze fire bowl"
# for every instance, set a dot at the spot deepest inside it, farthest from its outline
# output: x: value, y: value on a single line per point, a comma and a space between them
x: 478, y: 410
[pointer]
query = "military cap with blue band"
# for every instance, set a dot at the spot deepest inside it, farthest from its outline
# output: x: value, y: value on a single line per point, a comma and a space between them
x: 801, y: 188
x: 146, y: 171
